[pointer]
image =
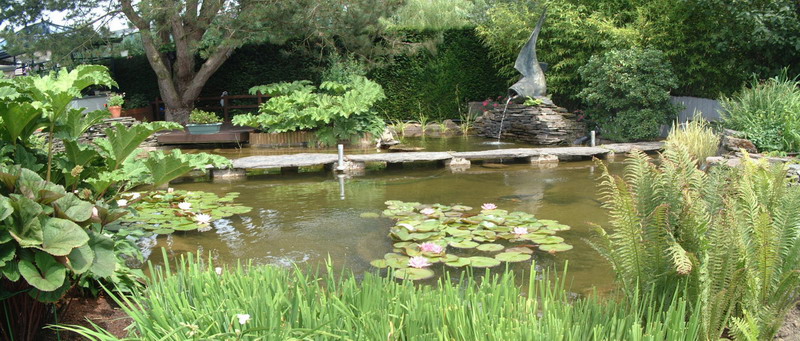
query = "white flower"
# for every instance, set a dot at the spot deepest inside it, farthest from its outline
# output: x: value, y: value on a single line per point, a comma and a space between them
x: 95, y: 212
x: 185, y: 206
x: 218, y: 270
x: 170, y: 190
x: 408, y: 226
x: 519, y: 231
x: 202, y: 218
x: 243, y: 318
x: 122, y: 203
x: 427, y: 211
x: 134, y: 195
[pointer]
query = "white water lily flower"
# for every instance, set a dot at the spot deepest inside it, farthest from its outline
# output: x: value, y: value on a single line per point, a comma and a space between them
x: 407, y: 226
x: 170, y: 190
x: 218, y: 270
x: 122, y: 203
x: 185, y: 206
x: 243, y: 318
x: 202, y: 218
x: 95, y: 212
x: 134, y: 195
x: 427, y: 211
x: 519, y: 231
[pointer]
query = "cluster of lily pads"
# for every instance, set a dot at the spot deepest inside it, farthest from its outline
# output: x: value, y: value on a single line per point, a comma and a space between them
x: 429, y: 234
x: 164, y: 212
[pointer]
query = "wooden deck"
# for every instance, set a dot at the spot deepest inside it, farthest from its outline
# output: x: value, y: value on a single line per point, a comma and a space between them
x: 227, y: 134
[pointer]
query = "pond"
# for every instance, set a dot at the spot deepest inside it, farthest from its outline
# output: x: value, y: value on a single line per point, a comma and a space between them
x: 302, y: 218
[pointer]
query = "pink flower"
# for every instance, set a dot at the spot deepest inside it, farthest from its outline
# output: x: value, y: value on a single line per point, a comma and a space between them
x: 485, y: 103
x: 431, y: 247
x: 488, y: 206
x: 519, y: 231
x: 427, y: 211
x: 418, y: 262
x: 495, y: 105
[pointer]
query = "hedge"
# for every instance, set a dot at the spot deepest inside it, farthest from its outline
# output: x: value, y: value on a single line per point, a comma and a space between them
x: 435, y: 82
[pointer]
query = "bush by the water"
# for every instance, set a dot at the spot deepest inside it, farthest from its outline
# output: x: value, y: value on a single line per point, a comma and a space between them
x: 731, y: 236
x: 767, y: 112
x: 198, y: 302
x: 627, y: 93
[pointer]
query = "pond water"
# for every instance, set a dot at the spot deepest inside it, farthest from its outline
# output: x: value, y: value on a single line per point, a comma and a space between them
x: 303, y: 219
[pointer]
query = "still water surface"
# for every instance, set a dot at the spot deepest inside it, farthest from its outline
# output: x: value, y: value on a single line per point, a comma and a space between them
x: 303, y: 219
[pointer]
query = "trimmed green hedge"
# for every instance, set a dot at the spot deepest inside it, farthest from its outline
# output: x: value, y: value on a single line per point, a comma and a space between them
x: 435, y: 83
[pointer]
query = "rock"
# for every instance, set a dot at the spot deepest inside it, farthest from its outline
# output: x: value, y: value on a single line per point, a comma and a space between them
x: 545, y: 124
x: 388, y: 138
x: 735, y: 144
x: 412, y: 130
x: 404, y: 148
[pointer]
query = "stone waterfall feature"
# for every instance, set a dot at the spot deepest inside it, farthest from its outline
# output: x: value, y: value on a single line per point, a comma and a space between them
x: 545, y: 124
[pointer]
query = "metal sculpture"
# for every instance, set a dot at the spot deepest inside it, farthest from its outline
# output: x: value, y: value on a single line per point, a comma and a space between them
x: 532, y: 83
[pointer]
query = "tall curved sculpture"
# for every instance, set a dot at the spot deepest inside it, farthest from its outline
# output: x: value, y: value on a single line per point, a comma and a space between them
x: 532, y: 83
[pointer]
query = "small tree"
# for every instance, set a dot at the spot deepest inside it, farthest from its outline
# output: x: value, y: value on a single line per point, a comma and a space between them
x: 627, y: 93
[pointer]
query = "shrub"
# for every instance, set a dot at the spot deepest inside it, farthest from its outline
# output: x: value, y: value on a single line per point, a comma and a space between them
x: 335, y: 111
x: 272, y: 303
x: 116, y: 100
x: 767, y: 112
x: 627, y: 93
x: 731, y: 237
x: 203, y: 117
x: 696, y: 136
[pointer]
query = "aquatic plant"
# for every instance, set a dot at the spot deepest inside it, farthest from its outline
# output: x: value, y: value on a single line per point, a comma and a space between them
x: 297, y: 304
x: 423, y: 233
x: 165, y: 212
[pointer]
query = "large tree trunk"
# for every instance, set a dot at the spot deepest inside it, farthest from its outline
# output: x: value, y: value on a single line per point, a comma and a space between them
x: 178, y: 114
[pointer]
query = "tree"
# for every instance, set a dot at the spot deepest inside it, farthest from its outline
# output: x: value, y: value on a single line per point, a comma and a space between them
x: 187, y: 41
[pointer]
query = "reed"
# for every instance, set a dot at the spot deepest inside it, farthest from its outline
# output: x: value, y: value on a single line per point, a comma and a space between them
x: 193, y: 301
x: 696, y: 136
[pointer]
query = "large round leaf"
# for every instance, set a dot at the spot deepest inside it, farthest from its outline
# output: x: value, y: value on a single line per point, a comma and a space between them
x: 490, y: 247
x: 413, y: 274
x: 379, y: 263
x: 46, y: 274
x: 463, y: 261
x: 552, y: 248
x: 61, y: 236
x: 467, y: 244
x: 512, y: 257
x: 105, y: 261
x: 483, y: 262
x: 81, y: 259
x: 72, y: 208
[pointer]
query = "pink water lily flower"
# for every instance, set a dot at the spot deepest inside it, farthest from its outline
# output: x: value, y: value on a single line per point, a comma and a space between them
x: 488, y: 206
x: 431, y: 247
x: 427, y: 211
x: 418, y: 262
x: 519, y: 231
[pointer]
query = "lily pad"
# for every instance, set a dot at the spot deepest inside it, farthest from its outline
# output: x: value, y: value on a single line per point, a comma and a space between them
x: 490, y: 247
x: 512, y: 257
x: 555, y: 247
x: 463, y: 261
x: 483, y: 262
x: 467, y: 244
x: 379, y: 263
x: 520, y: 249
x: 461, y: 208
x: 413, y: 274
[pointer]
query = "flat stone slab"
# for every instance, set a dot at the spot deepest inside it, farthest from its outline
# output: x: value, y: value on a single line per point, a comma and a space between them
x: 400, y: 157
x: 528, y: 152
x: 280, y: 161
x: 627, y: 147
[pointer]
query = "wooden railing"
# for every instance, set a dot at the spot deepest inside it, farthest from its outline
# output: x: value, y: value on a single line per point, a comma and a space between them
x: 222, y: 103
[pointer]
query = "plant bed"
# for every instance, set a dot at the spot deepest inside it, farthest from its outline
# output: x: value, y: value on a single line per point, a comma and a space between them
x: 203, y: 122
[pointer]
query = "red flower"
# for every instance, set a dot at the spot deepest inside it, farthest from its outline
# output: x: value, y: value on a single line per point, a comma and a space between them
x: 485, y: 103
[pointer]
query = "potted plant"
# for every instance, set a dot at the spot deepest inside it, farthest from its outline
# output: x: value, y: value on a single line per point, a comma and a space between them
x: 203, y: 122
x: 114, y: 104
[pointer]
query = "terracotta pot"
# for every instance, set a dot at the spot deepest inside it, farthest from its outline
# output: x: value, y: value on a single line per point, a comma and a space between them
x: 116, y: 111
x: 144, y: 114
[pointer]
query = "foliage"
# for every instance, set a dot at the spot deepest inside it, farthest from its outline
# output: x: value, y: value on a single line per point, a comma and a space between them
x: 193, y: 301
x: 437, y: 15
x: 696, y: 136
x: 203, y: 117
x: 116, y: 100
x: 767, y: 112
x: 159, y: 211
x: 427, y: 230
x: 336, y: 111
x: 731, y: 237
x: 627, y: 93
x: 137, y: 101
x: 533, y: 102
